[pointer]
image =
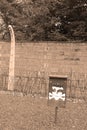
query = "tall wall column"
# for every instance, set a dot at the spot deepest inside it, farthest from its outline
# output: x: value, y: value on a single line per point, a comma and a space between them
x: 12, y: 60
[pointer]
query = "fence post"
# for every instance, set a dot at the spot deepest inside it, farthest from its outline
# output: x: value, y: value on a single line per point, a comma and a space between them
x: 12, y: 60
x: 56, y: 110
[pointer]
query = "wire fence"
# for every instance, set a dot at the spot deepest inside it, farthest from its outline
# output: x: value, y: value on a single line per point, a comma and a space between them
x: 76, y: 87
x: 77, y: 84
x: 26, y: 84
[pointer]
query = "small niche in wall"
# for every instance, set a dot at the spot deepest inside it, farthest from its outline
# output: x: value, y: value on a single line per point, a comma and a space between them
x: 77, y: 49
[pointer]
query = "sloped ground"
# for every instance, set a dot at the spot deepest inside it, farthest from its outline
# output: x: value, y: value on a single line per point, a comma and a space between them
x: 32, y: 113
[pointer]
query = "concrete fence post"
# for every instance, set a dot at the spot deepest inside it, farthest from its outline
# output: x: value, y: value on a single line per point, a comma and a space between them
x: 12, y: 60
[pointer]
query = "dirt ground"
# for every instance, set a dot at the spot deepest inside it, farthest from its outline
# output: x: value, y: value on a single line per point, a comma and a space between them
x: 33, y: 113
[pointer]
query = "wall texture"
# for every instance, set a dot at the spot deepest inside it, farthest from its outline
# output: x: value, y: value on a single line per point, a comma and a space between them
x: 58, y: 58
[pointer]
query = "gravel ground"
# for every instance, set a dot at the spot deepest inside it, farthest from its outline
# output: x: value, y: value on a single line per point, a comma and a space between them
x: 33, y: 113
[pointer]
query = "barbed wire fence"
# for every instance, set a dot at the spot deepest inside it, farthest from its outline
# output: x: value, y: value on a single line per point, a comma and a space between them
x: 31, y: 84
x: 38, y: 84
x: 77, y: 86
